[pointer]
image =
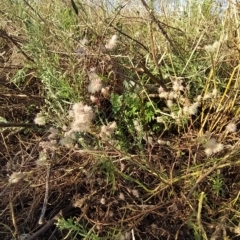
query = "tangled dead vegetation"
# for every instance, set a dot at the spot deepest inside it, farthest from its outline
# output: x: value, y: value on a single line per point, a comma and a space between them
x: 105, y: 136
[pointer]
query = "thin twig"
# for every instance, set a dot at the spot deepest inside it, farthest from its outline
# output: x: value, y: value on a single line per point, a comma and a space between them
x: 45, y: 202
x: 13, y: 215
x: 20, y: 96
x: 4, y: 190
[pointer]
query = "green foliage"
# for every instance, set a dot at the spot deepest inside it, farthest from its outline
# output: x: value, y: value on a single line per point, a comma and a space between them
x: 75, y: 229
x: 131, y: 106
x: 217, y: 185
x: 56, y: 86
x: 20, y: 77
x: 196, y: 230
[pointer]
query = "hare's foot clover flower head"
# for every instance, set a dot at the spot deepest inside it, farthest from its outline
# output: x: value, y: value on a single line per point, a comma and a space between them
x: 94, y: 86
x: 160, y: 119
x: 211, y: 95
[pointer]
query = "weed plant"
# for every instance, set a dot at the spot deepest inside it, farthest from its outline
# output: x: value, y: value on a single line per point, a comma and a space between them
x: 119, y: 120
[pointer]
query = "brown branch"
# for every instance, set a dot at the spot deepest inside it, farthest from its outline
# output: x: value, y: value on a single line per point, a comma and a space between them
x: 159, y: 81
x: 159, y: 24
x: 126, y: 35
x: 200, y: 179
x: 45, y: 202
x: 13, y: 214
x: 37, y: 98
x: 42, y: 230
x: 7, y: 124
x: 4, y: 35
x: 34, y: 11
x: 63, y: 213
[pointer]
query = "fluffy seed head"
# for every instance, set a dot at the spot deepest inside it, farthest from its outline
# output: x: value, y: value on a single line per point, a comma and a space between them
x: 82, y: 117
x: 160, y: 90
x: 193, y: 109
x: 103, y: 201
x: 212, y: 146
x: 107, y: 131
x: 42, y: 159
x: 169, y: 103
x: 212, y: 48
x: 214, y: 92
x: 40, y: 119
x: 95, y: 84
x: 199, y: 98
x: 94, y: 99
x: 53, y: 133
x: 137, y: 126
x: 16, y: 177
x: 121, y: 196
x: 172, y: 95
x: 51, y: 144
x: 111, y: 43
x: 67, y: 142
x: 231, y: 127
x: 177, y: 86
x: 105, y: 91
x: 135, y: 193
x: 163, y: 94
